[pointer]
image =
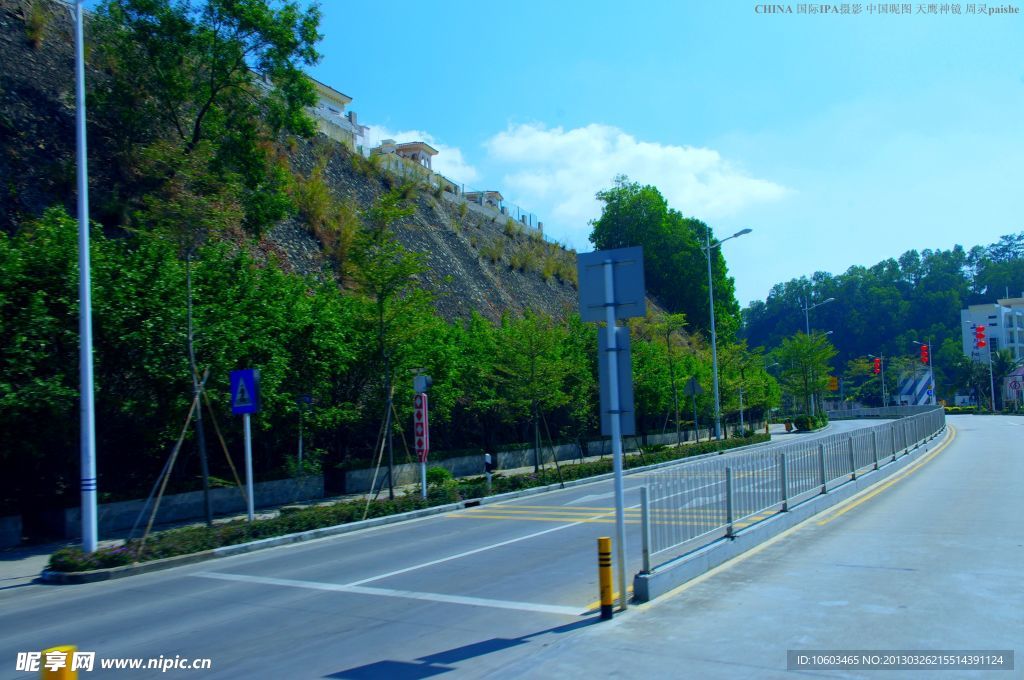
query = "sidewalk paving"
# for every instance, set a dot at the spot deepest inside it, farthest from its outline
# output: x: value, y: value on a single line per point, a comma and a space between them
x: 918, y: 565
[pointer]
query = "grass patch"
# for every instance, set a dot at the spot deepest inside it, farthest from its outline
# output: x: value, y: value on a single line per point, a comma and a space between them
x: 493, y: 251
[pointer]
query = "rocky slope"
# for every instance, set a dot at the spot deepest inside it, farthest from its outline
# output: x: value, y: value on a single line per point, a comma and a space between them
x: 476, y: 263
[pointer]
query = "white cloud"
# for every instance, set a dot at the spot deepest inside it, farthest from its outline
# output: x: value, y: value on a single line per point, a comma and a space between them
x: 556, y: 172
x: 448, y: 161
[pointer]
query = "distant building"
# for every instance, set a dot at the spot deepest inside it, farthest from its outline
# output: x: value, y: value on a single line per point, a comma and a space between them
x: 1004, y: 327
x: 491, y: 198
x: 333, y: 120
x: 420, y: 153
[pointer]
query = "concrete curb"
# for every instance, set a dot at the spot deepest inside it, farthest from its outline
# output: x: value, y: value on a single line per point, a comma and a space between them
x: 75, y: 577
x: 678, y: 571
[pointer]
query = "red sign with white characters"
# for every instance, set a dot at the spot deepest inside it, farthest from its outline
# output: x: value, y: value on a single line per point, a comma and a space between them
x: 420, y: 428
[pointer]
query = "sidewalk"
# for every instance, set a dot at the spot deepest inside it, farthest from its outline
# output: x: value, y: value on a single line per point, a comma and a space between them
x: 918, y: 564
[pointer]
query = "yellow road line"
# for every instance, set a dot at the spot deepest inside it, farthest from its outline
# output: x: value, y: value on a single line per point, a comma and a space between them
x: 596, y: 604
x: 902, y: 475
x: 603, y: 511
x: 528, y: 518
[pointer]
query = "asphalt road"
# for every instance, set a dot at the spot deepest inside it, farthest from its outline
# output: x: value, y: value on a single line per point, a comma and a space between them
x: 464, y: 593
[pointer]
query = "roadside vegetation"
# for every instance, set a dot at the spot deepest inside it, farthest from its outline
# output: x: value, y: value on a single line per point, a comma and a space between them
x: 192, y: 109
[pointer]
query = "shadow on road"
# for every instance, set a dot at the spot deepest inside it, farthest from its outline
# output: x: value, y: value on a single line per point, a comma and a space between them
x: 441, y: 662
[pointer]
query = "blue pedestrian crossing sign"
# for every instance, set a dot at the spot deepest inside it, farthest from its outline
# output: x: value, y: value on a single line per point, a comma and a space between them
x: 245, y: 391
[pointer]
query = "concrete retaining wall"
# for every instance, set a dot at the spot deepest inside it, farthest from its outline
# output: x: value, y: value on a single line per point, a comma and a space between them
x: 358, y: 481
x: 10, y: 531
x: 114, y: 517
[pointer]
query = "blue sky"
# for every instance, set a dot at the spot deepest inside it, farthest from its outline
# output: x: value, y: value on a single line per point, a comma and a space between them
x: 839, y: 139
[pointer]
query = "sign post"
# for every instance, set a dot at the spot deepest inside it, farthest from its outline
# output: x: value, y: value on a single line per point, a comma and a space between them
x: 304, y: 401
x: 245, y: 400
x: 611, y: 285
x: 693, y: 388
x: 421, y: 434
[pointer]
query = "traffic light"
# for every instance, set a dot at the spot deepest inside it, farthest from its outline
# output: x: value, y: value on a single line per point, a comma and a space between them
x: 979, y: 337
x: 924, y: 354
x: 878, y: 366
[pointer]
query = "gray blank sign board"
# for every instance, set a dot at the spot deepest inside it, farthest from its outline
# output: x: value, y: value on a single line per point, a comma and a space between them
x: 627, y: 419
x: 629, y: 291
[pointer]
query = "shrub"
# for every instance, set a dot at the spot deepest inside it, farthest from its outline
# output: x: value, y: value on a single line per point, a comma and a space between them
x: 804, y: 422
x: 512, y: 228
x: 493, y: 251
x: 37, y: 17
x: 437, y: 476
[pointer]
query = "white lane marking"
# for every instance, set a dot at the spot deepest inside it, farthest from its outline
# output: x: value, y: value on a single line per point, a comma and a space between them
x: 475, y: 551
x: 389, y: 592
x: 599, y: 496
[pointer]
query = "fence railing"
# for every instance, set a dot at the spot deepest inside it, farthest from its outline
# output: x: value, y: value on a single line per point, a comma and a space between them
x: 885, y: 412
x: 690, y: 505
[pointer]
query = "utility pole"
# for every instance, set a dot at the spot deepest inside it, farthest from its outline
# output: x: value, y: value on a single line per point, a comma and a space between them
x: 87, y: 407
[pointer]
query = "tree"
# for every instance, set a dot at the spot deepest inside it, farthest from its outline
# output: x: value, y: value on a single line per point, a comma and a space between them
x: 670, y: 327
x: 531, y: 370
x: 1003, y: 364
x: 387, y: 273
x: 223, y: 72
x: 635, y: 215
x: 805, y: 365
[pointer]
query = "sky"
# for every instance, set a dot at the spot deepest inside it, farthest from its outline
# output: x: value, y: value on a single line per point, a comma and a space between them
x: 840, y: 139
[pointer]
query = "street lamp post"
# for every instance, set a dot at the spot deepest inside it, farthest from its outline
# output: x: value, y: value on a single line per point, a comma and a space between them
x: 807, y: 309
x: 87, y: 407
x: 814, y: 394
x: 714, y: 340
x: 807, y: 325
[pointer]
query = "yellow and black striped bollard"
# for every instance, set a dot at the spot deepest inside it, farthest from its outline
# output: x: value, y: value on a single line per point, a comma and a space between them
x: 604, y: 572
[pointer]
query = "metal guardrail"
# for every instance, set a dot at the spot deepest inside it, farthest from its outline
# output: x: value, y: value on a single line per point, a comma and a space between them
x: 885, y: 412
x: 690, y: 505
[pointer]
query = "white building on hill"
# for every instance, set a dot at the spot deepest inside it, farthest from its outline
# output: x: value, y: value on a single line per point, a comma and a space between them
x: 1004, y: 327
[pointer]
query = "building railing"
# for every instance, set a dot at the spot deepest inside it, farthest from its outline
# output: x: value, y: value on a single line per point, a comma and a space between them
x: 456, y: 192
x: 690, y: 505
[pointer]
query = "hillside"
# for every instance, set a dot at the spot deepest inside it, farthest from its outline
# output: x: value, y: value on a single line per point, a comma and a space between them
x: 475, y: 262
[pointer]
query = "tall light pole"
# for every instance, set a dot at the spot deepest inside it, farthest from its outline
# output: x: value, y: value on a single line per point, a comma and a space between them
x: 931, y: 371
x: 87, y: 406
x: 814, y: 394
x: 807, y: 325
x: 714, y: 340
x: 807, y: 309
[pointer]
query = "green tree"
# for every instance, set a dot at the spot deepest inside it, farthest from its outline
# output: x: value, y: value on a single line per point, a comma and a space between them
x: 635, y: 215
x: 223, y: 72
x: 531, y: 370
x: 805, y: 367
x: 1003, y: 364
